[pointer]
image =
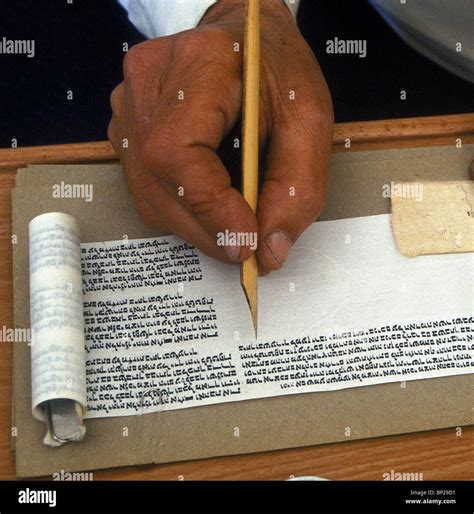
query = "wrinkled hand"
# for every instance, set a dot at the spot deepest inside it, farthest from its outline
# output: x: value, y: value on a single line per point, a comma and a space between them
x: 180, y: 97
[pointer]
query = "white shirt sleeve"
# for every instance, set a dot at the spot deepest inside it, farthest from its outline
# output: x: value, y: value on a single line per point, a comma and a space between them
x: 155, y: 18
x: 441, y: 30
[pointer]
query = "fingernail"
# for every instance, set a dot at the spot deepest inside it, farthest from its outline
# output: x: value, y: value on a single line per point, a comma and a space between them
x: 279, y: 244
x: 233, y: 252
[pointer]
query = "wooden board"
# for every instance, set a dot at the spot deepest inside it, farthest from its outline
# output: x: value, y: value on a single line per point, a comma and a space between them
x: 443, y: 454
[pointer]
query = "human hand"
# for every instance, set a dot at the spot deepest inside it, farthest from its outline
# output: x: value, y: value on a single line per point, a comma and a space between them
x: 180, y: 97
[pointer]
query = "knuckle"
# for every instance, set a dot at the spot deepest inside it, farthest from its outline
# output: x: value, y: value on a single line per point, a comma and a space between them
x: 213, y: 45
x: 316, y: 118
x: 312, y: 202
x: 159, y: 151
x: 130, y: 62
x: 133, y: 60
x: 203, y: 201
x: 220, y: 35
x: 151, y: 216
x: 116, y: 98
x: 111, y: 132
x: 204, y: 38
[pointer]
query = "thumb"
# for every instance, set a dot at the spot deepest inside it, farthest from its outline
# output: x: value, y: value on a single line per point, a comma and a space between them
x: 292, y: 195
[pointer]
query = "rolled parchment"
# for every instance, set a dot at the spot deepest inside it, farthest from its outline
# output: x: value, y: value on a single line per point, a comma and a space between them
x: 58, y: 357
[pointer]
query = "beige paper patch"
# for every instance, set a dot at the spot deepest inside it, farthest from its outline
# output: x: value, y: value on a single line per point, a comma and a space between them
x: 433, y: 217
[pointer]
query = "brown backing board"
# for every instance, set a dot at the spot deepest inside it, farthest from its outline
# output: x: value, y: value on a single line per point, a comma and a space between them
x: 292, y: 421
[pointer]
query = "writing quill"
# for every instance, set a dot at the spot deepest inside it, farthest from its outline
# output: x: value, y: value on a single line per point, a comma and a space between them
x: 250, y: 108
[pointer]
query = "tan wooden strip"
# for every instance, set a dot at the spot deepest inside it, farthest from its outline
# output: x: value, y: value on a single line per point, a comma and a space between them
x: 385, y: 133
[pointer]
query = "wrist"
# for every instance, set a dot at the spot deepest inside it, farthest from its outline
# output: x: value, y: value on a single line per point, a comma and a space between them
x: 235, y: 11
x: 224, y: 10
